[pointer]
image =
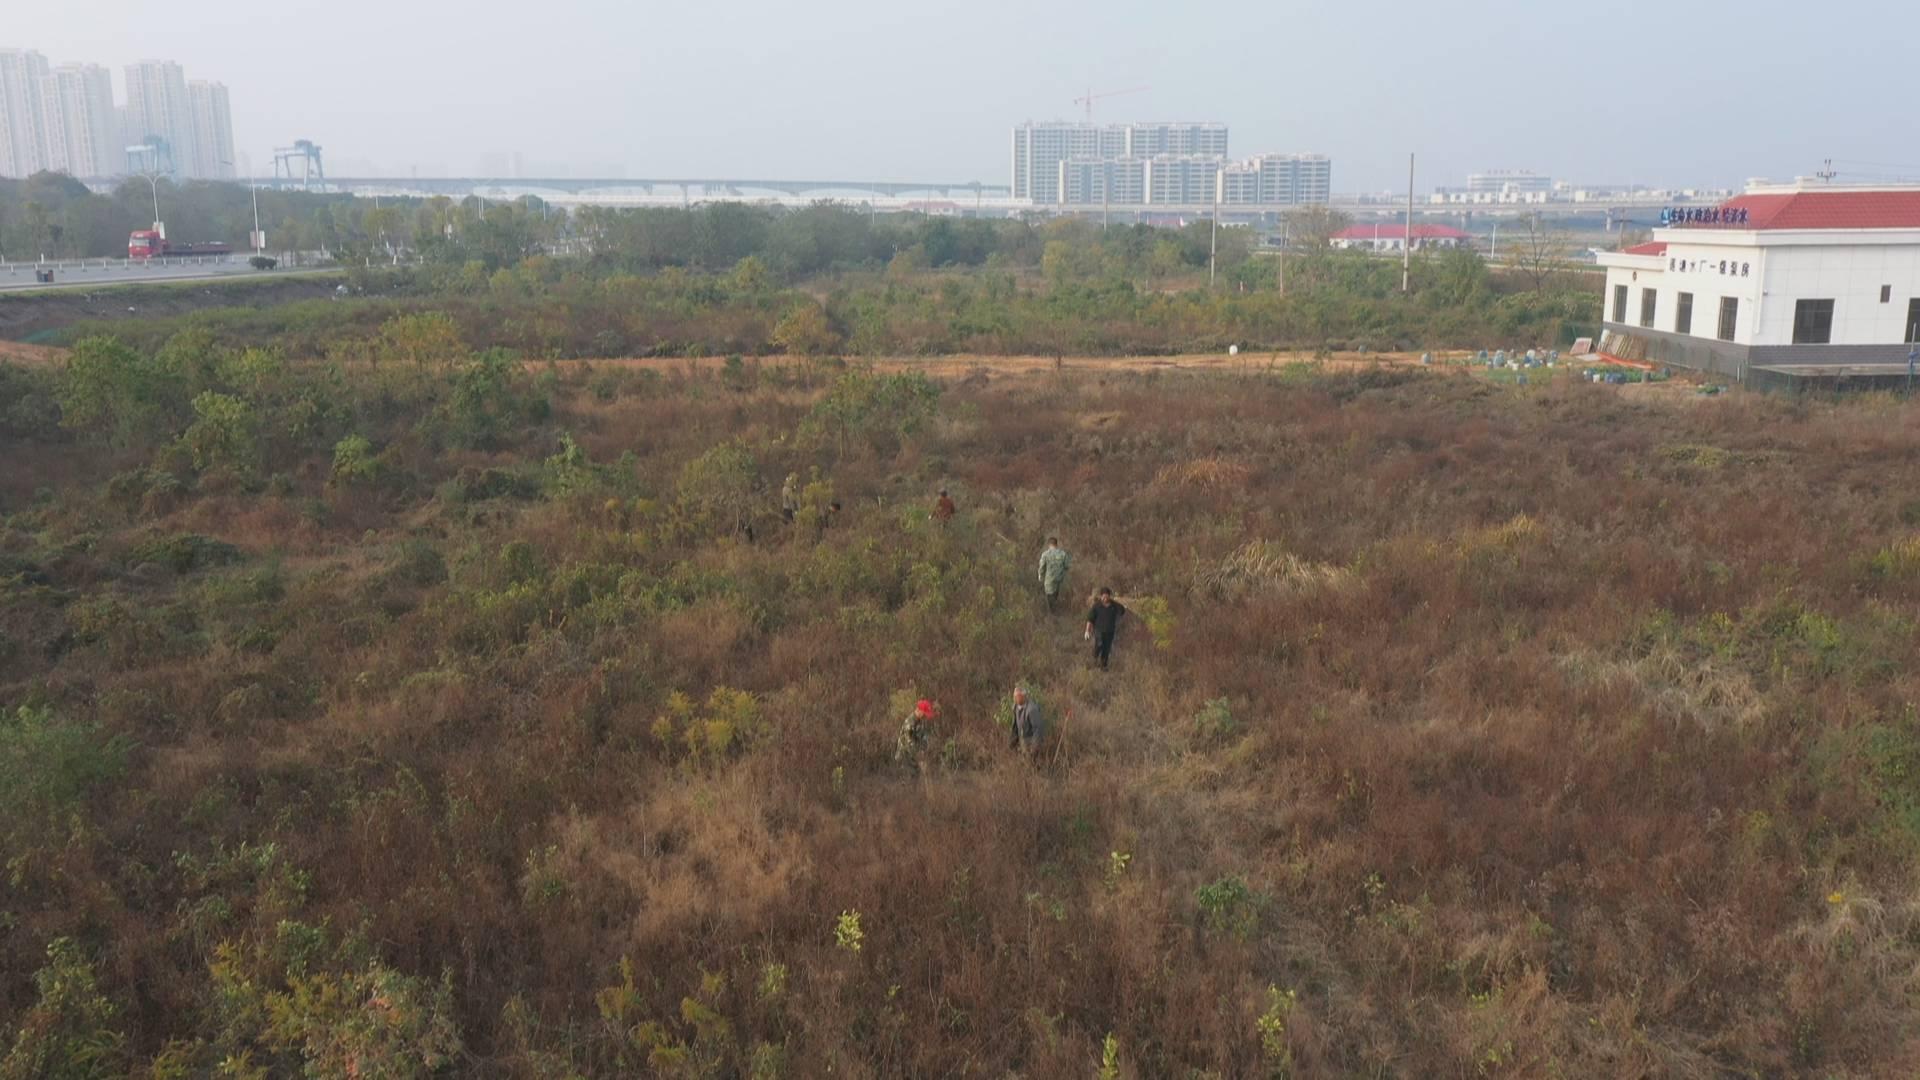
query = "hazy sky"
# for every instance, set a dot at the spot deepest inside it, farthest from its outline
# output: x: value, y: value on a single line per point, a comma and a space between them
x: 1676, y: 92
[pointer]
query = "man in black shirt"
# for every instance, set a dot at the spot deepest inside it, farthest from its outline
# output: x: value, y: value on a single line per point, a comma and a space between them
x: 1102, y: 623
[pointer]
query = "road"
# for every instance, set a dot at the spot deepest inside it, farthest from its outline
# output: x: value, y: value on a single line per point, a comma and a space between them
x: 96, y: 273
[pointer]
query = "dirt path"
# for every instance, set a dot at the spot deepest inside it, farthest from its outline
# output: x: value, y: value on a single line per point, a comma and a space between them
x: 18, y: 353
x: 965, y: 364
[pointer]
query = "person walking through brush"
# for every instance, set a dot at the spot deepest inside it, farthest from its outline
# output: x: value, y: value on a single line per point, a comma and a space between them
x: 1029, y: 726
x: 943, y: 510
x: 1053, y: 570
x: 1102, y: 623
x: 790, y: 497
x: 913, y: 734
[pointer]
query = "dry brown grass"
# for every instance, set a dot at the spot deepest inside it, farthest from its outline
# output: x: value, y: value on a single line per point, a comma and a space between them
x: 1509, y: 740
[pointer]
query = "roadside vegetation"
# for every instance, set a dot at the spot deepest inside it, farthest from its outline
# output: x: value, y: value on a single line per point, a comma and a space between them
x: 430, y: 711
x: 829, y: 280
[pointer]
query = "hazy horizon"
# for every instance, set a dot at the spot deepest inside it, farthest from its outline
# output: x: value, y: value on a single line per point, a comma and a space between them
x: 1671, y: 94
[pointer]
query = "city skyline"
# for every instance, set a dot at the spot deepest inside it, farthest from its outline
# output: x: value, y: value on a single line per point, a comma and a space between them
x: 66, y: 118
x: 769, y: 89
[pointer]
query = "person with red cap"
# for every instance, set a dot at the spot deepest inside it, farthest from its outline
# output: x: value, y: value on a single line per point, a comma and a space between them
x: 913, y: 734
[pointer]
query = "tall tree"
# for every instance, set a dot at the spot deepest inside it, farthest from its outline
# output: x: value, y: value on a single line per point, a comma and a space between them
x: 1544, y: 251
x: 1312, y: 228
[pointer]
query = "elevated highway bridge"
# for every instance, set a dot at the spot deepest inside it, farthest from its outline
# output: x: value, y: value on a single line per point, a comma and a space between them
x: 961, y: 197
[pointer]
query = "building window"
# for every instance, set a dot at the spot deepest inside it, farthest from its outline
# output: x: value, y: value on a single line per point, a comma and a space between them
x: 1886, y: 294
x: 1729, y: 315
x: 1913, y: 321
x: 1648, y: 298
x: 1683, y: 314
x: 1619, y: 303
x: 1812, y: 322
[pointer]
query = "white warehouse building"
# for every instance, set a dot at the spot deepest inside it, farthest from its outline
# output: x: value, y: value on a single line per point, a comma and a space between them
x: 1785, y: 280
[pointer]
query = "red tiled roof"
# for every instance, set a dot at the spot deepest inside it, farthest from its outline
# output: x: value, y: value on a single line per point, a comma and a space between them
x: 1651, y: 247
x: 1827, y: 210
x: 1391, y: 231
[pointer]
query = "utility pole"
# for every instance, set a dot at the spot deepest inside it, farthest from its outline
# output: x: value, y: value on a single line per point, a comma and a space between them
x: 1280, y: 274
x: 1406, y: 249
x: 1213, y: 241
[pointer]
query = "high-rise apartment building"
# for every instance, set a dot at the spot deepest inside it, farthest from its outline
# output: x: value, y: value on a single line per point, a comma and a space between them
x: 1151, y: 140
x: 83, y: 127
x: 1079, y: 164
x: 23, y: 112
x: 212, y: 130
x: 1041, y: 149
x: 1277, y: 180
x: 160, y: 112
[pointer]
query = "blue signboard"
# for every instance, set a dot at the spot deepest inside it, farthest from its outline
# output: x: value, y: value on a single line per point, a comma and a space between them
x: 1703, y: 215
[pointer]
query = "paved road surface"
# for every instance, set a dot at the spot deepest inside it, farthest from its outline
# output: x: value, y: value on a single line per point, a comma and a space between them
x: 96, y: 273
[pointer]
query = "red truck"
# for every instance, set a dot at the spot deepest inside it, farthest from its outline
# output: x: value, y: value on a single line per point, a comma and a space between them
x: 149, y: 244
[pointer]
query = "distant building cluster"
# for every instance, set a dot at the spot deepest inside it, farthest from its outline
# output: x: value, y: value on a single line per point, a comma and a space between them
x: 1388, y: 237
x: 1499, y: 187
x: 1509, y: 187
x: 63, y: 118
x: 1156, y: 164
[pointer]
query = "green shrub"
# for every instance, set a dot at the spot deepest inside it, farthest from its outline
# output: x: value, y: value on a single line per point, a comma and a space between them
x: 184, y: 552
x: 863, y: 405
x: 371, y: 1022
x: 491, y: 396
x: 47, y: 766
x: 29, y: 408
x: 1214, y: 722
x: 224, y: 433
x: 355, y: 463
x: 718, y: 489
x: 1230, y: 906
x: 66, y: 1034
x: 111, y: 392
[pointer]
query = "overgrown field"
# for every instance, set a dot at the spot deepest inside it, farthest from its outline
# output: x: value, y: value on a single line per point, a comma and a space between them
x: 443, y: 718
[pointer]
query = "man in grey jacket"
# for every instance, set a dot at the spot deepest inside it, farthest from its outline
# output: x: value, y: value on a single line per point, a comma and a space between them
x: 1029, y: 727
x: 1053, y: 570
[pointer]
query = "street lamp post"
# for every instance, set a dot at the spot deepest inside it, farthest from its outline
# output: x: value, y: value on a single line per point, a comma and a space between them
x: 256, y: 240
x: 259, y: 238
x: 159, y: 226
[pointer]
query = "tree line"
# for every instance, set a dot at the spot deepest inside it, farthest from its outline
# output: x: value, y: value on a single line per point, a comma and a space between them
x: 53, y: 216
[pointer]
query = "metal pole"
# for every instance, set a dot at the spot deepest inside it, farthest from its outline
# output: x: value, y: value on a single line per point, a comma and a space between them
x: 1280, y: 273
x: 1913, y: 354
x: 1406, y: 249
x: 1213, y: 241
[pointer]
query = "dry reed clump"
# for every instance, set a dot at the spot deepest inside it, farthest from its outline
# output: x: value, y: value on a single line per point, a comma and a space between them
x: 1263, y: 566
x: 1210, y: 474
x: 1676, y: 687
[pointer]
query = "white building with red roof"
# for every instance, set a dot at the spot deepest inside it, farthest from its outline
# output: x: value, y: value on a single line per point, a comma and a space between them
x: 1784, y: 277
x: 1391, y: 236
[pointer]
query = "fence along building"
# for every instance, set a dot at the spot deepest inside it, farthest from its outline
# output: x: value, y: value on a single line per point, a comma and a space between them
x: 1785, y: 277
